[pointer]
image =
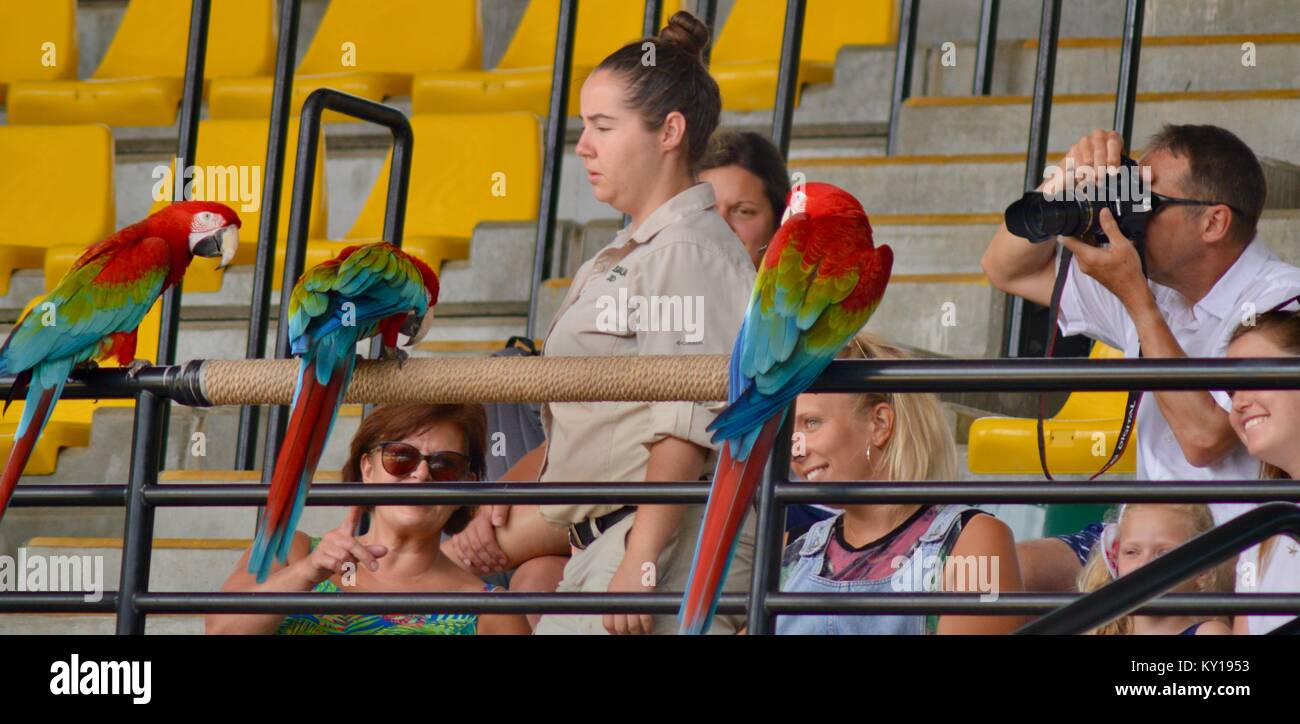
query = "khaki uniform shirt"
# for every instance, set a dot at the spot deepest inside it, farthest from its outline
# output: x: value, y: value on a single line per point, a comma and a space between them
x: 677, y: 284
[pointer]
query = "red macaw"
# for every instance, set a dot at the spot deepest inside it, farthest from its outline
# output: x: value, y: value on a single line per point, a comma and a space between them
x: 819, y: 282
x: 364, y: 291
x: 97, y: 307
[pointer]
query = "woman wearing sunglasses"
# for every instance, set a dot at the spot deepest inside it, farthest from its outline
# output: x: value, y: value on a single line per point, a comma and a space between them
x: 399, y: 551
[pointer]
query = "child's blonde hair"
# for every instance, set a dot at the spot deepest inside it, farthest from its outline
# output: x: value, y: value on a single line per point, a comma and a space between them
x: 1096, y: 574
x: 921, y: 446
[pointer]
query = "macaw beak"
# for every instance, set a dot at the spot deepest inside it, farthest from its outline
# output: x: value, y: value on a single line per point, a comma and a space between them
x: 416, y: 327
x: 223, y: 242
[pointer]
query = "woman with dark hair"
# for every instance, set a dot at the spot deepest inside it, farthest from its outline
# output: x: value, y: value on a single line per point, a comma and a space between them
x: 400, y: 550
x: 750, y: 181
x: 675, y: 281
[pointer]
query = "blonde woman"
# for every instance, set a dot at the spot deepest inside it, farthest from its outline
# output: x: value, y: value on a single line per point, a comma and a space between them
x: 886, y: 547
x: 1142, y: 533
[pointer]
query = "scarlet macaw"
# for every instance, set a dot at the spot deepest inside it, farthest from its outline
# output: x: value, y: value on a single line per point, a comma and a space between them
x: 365, y: 290
x: 820, y: 280
x: 93, y: 312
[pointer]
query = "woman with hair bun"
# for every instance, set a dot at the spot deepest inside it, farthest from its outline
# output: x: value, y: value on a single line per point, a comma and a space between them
x: 674, y: 281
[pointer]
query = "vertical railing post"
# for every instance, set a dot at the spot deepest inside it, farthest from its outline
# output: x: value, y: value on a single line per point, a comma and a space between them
x: 295, y: 253
x: 549, y: 205
x: 902, y: 68
x: 771, y: 527
x: 787, y: 83
x: 1130, y: 53
x: 149, y: 435
x: 707, y: 11
x: 1017, y: 334
x: 986, y: 50
x: 268, y: 226
x: 654, y: 10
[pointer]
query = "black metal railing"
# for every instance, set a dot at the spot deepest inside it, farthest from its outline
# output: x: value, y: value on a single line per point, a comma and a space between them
x: 764, y: 602
x: 295, y: 253
x: 277, y: 138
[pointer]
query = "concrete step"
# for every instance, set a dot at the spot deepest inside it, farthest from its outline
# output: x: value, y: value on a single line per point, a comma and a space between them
x: 966, y: 184
x: 1269, y: 121
x: 1091, y: 65
x: 958, y: 20
x: 95, y: 624
x: 177, y: 564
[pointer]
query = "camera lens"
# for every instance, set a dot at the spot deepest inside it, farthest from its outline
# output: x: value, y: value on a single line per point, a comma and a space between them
x: 1038, y: 219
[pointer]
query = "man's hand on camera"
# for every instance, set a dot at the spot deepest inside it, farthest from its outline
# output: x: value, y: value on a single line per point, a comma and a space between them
x: 1116, y: 267
x: 1091, y: 158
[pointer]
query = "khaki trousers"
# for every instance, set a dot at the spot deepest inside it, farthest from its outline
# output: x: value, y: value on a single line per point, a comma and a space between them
x: 592, y: 569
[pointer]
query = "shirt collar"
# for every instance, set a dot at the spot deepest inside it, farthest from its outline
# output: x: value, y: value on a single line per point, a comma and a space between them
x: 1222, y: 300
x: 696, y: 198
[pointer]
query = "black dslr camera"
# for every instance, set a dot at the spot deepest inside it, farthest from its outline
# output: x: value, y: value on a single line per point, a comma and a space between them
x: 1077, y: 212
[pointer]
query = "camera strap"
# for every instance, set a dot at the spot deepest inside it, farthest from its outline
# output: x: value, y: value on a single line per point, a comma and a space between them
x: 1134, y: 396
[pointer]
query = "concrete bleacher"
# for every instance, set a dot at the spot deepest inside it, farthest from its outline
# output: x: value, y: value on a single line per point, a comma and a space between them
x: 937, y: 205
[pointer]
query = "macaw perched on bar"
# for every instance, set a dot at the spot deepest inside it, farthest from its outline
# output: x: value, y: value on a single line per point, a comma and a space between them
x: 366, y: 290
x: 94, y: 311
x: 820, y: 280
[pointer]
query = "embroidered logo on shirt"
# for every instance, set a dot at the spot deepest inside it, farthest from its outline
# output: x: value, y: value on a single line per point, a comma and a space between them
x: 617, y: 271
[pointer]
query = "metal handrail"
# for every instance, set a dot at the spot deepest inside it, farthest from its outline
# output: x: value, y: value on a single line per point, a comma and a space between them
x: 269, y: 223
x: 295, y: 253
x: 1123, y: 595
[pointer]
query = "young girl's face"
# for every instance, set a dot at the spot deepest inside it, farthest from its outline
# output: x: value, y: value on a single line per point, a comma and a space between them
x: 1266, y: 420
x: 620, y: 155
x: 1146, y: 533
x: 831, y: 439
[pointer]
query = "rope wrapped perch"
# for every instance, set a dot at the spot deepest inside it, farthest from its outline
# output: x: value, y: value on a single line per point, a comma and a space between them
x: 665, y: 378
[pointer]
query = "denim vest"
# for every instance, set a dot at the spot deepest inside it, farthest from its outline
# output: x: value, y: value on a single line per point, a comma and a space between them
x: 804, y: 576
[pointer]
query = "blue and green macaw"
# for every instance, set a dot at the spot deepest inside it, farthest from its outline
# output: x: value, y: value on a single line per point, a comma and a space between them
x: 365, y: 290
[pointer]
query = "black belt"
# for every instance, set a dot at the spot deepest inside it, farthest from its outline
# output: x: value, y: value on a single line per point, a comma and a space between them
x: 586, y: 532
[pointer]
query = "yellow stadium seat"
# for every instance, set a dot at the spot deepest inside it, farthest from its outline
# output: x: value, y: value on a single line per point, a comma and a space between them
x: 140, y: 80
x: 522, y: 79
x: 38, y: 41
x: 369, y: 49
x: 1080, y: 438
x: 56, y: 187
x: 70, y: 421
x: 467, y: 168
x: 746, y: 60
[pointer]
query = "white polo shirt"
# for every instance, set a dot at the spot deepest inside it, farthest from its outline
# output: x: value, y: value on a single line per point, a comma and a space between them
x: 1255, y: 283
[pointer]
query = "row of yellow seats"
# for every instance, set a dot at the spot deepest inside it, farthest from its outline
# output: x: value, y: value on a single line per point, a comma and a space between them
x: 430, y: 51
x: 466, y: 168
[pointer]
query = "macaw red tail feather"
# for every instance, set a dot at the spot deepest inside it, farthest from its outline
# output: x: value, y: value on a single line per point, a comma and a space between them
x: 24, y: 441
x: 734, y: 485
x: 304, y: 440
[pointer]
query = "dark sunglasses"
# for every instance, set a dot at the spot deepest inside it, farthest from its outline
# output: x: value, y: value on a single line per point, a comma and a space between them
x: 401, y: 459
x: 1159, y: 201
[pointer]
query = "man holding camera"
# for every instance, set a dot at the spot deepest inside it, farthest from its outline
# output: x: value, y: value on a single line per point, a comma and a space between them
x: 1205, y: 273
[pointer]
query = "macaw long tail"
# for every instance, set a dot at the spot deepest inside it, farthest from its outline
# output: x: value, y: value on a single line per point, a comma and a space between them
x: 36, y: 412
x: 315, y: 407
x: 734, y: 485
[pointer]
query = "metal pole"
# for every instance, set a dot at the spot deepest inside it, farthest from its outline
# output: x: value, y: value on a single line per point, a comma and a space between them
x: 902, y: 68
x: 548, y: 208
x: 1121, y: 596
x: 149, y: 436
x: 707, y: 11
x: 787, y: 84
x: 399, y: 176
x: 268, y: 226
x: 986, y: 51
x: 1130, y: 53
x: 654, y: 10
x: 1040, y: 120
x: 771, y: 526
